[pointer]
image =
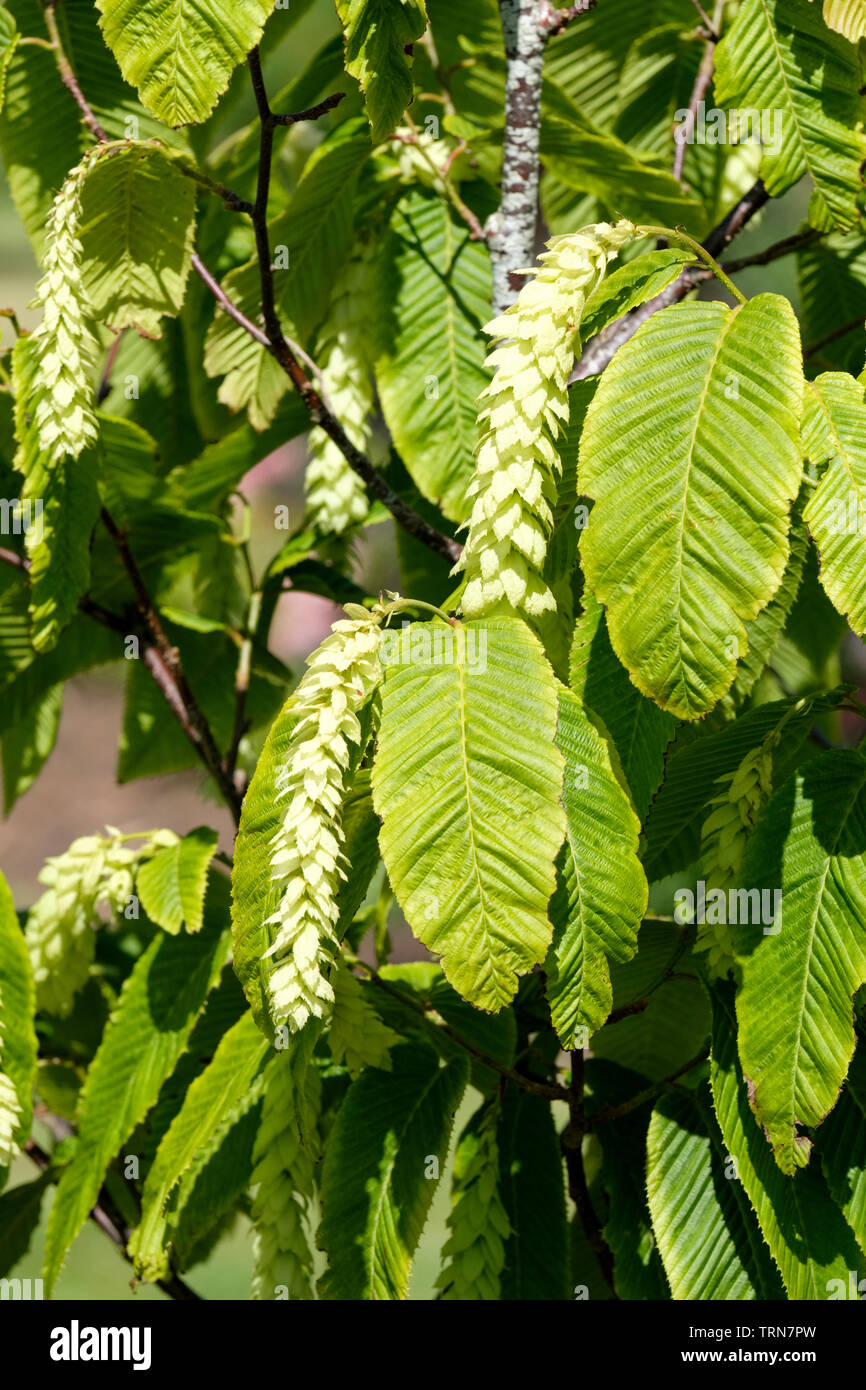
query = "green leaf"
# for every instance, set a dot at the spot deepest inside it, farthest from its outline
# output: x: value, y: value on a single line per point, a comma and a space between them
x: 841, y: 1142
x: 847, y: 17
x: 768, y: 62
x: 532, y: 1188
x: 709, y: 1240
x: 693, y: 472
x: 180, y: 57
x: 41, y: 133
x: 17, y: 1006
x: 8, y: 40
x: 602, y: 893
x: 695, y: 764
x: 20, y: 1210
x: 377, y: 34
x: 215, y: 1186
x: 172, y: 884
x: 377, y: 1182
x: 144, y: 1038
x: 629, y: 286
x: 208, y: 1106
x: 807, y: 1234
x: 585, y: 158
x: 430, y: 370
x: 466, y: 751
x: 137, y: 231
x: 27, y: 748
x: 637, y: 1268
x: 834, y: 434
x: 639, y: 730
x: 832, y: 280
x: 794, y: 1008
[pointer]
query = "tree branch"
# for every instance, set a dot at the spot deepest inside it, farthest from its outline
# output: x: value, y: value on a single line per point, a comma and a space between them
x: 606, y: 1113
x: 107, y: 1218
x: 704, y: 77
x: 278, y: 345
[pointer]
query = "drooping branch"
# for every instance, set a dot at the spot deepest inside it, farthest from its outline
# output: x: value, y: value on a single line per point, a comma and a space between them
x: 571, y: 1143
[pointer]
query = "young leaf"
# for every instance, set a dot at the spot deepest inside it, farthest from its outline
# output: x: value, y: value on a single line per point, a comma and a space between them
x: 466, y: 753
x: 378, y: 1183
x: 834, y: 433
x: 601, y: 895
x: 767, y: 63
x: 807, y: 1234
x: 377, y: 35
x: 847, y: 17
x: 140, y: 1047
x: 181, y: 58
x: 172, y: 884
x: 137, y: 230
x: 692, y: 473
x: 794, y: 1007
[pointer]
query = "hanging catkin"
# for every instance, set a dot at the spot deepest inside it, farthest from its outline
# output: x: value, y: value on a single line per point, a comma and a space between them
x: 517, y: 463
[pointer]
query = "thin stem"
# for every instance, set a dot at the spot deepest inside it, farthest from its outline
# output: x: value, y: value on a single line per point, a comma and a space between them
x: 776, y: 251
x: 67, y: 74
x: 833, y: 335
x: 699, y: 90
x: 608, y: 1113
x: 675, y: 234
x: 477, y: 232
x: 423, y: 1009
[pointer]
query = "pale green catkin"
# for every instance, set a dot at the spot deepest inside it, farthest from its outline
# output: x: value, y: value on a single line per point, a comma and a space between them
x: 724, y: 837
x: 96, y: 870
x: 283, y: 1177
x: 56, y: 403
x: 513, y: 490
x: 307, y: 853
x: 474, y: 1252
x: 336, y: 497
x: 357, y: 1035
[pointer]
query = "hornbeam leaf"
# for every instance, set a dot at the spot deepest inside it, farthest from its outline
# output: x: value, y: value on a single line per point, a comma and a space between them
x: 172, y: 884
x: 709, y: 1240
x: 834, y: 433
x: 17, y: 1006
x: 20, y: 1210
x: 808, y: 1238
x: 639, y: 729
x: 181, y: 56
x: 532, y: 1186
x: 137, y: 229
x: 376, y: 1182
x: 602, y: 892
x: 208, y: 1105
x: 377, y: 35
x: 841, y: 1142
x: 779, y: 58
x: 691, y: 454
x: 847, y: 17
x: 466, y: 756
x: 795, y: 1005
x: 433, y: 330
x: 143, y: 1040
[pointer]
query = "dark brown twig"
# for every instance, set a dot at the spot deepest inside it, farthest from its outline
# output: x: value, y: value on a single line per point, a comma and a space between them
x: 833, y: 335
x: 571, y: 1143
x: 607, y: 1113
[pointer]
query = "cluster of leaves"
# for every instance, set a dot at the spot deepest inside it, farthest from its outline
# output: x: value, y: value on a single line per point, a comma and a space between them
x: 516, y: 777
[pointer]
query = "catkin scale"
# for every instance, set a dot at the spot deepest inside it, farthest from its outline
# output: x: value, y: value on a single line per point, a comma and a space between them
x: 513, y: 491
